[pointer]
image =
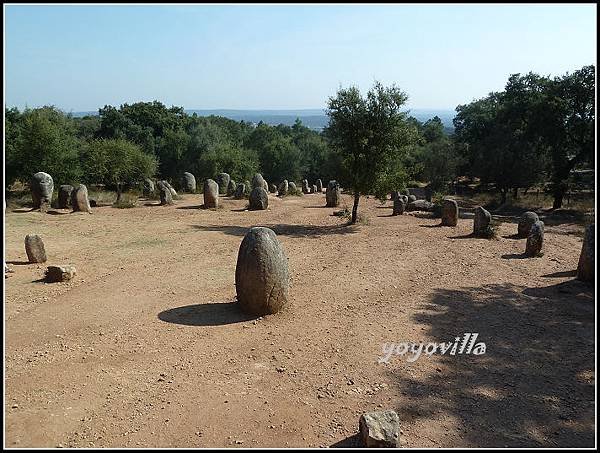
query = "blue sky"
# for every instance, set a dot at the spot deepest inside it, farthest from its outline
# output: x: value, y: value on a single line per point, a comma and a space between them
x: 81, y: 58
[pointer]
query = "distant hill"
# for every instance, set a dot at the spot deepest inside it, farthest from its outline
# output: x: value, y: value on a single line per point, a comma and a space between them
x: 312, y: 118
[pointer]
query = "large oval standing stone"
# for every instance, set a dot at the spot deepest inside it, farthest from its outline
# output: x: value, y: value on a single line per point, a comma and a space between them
x: 305, y: 188
x: 240, y: 191
x: 525, y: 223
x: 333, y: 194
x: 80, y: 200
x: 188, y: 182
x: 64, y: 196
x: 314, y: 188
x: 261, y: 274
x: 259, y: 199
x: 398, y: 206
x: 222, y: 182
x: 166, y: 196
x: 272, y: 188
x: 34, y: 247
x: 535, y: 240
x: 292, y: 187
x: 379, y: 429
x: 481, y: 221
x: 283, y: 188
x: 258, y: 181
x: 211, y: 193
x: 42, y: 187
x: 449, y: 212
x: 585, y: 267
x: 231, y: 188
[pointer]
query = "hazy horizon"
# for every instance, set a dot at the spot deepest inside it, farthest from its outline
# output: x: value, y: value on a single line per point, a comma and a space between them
x: 282, y: 57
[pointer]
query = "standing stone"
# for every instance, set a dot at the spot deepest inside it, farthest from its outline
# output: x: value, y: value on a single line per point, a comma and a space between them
x: 481, y: 221
x: 80, y: 200
x: 405, y: 199
x: 34, y: 247
x: 525, y: 223
x: 223, y: 182
x: 261, y: 274
x: 319, y: 186
x: 170, y: 187
x: 449, y: 212
x: 148, y: 188
x: 64, y: 196
x: 248, y: 188
x: 265, y: 186
x: 188, y: 182
x: 240, y: 191
x: 292, y: 187
x: 585, y: 268
x: 314, y: 188
x: 420, y: 205
x: 259, y: 199
x: 305, y: 188
x: 379, y: 429
x: 333, y: 194
x: 283, y: 188
x: 535, y: 240
x: 42, y: 187
x: 398, y: 206
x: 166, y: 196
x: 231, y: 187
x: 412, y: 198
x: 257, y: 181
x: 272, y: 188
x: 394, y: 194
x: 59, y: 273
x: 211, y: 193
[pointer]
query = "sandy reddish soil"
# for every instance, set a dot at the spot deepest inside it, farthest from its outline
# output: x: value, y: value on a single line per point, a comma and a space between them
x: 146, y: 346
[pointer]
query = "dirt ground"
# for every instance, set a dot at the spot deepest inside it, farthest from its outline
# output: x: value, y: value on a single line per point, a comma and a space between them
x: 147, y: 348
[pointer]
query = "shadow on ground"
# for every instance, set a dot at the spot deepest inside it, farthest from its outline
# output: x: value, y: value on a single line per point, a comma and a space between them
x: 533, y: 387
x: 284, y: 229
x: 212, y: 314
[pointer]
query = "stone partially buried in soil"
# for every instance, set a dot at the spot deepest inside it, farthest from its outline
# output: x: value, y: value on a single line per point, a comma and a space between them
x: 585, y: 267
x: 481, y: 221
x: 261, y: 273
x: 56, y: 274
x: 449, y: 212
x: 259, y: 199
x: 34, y: 247
x: 526, y: 221
x: 42, y: 187
x: 211, y: 193
x: 379, y: 429
x: 64, y: 196
x: 80, y: 200
x: 535, y: 240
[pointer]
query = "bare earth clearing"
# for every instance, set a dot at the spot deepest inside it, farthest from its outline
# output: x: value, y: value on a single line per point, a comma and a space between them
x: 146, y: 346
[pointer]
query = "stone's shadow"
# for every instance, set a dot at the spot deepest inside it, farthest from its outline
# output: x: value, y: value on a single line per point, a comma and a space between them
x: 535, y: 384
x: 465, y: 236
x: 284, y: 230
x: 21, y: 210
x: 514, y: 256
x: 211, y: 314
x: 437, y: 225
x: 59, y: 212
x: 20, y: 263
x: 513, y: 236
x: 349, y: 442
x: 152, y: 204
x: 201, y: 206
x: 563, y: 274
x: 318, y: 207
x: 240, y: 210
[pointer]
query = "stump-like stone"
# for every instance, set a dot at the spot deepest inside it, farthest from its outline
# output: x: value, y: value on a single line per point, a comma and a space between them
x: 261, y: 274
x: 258, y: 181
x: 170, y: 187
x: 231, y: 188
x: 525, y: 223
x: 535, y: 240
x: 64, y: 196
x: 379, y: 429
x: 283, y: 188
x: 188, y: 182
x: 481, y: 221
x: 314, y: 189
x: 292, y: 187
x: 259, y: 199
x: 333, y: 194
x: 449, y: 212
x: 166, y: 196
x: 79, y: 199
x: 222, y: 182
x: 585, y: 267
x: 211, y: 193
x: 59, y: 273
x: 272, y: 188
x: 42, y: 188
x: 148, y: 187
x: 34, y: 247
x: 240, y: 191
x: 399, y: 206
x: 305, y: 188
x: 319, y: 186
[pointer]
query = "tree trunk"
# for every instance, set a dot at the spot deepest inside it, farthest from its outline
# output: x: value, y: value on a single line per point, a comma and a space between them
x: 119, y: 192
x: 515, y: 193
x: 355, y: 207
x: 503, y: 196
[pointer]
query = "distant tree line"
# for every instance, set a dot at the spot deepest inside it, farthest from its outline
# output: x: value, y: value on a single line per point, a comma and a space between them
x: 536, y: 131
